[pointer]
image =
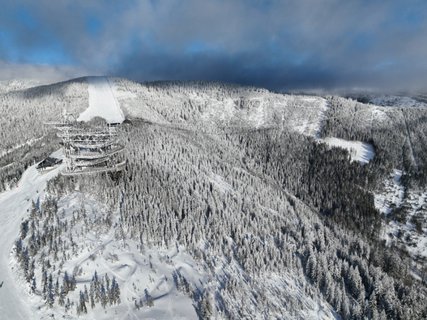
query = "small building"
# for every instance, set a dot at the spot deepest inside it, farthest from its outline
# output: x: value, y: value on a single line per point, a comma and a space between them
x: 48, y: 163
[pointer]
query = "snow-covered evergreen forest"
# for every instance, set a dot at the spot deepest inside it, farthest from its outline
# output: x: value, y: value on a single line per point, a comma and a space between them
x: 231, y: 205
x: 24, y: 137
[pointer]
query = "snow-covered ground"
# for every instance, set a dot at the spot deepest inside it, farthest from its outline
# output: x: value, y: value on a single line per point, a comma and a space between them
x: 258, y: 109
x: 29, y: 143
x: 405, y: 207
x: 155, y: 282
x: 211, y: 106
x: 102, y: 102
x: 14, y: 303
x: 142, y: 272
x: 137, y: 270
x: 309, y: 126
x: 359, y: 151
x: 393, y: 194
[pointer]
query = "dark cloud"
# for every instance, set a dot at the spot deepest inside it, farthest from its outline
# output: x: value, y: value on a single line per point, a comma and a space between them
x: 276, y: 44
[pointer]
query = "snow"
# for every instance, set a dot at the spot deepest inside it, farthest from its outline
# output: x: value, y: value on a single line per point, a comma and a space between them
x: 138, y: 268
x: 212, y: 107
x: 221, y: 184
x: 121, y: 92
x: 393, y: 195
x: 28, y: 143
x: 312, y: 126
x: 102, y: 102
x: 135, y: 268
x: 323, y: 109
x: 314, y: 308
x: 262, y: 109
x: 378, y: 114
x: 13, y: 207
x: 359, y: 151
x: 258, y: 114
x: 401, y: 231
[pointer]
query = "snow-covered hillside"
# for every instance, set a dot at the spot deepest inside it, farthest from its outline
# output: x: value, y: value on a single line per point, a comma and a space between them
x: 211, y: 106
x: 14, y: 205
x: 229, y: 206
x: 154, y: 282
x: 405, y: 210
x: 149, y: 278
x: 208, y: 106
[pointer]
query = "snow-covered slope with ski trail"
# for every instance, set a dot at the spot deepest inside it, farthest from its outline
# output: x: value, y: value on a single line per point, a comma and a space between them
x: 102, y: 102
x: 13, y: 208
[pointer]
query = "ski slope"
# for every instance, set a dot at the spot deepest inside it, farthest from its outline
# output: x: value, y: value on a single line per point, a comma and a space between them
x: 102, y: 102
x: 14, y: 302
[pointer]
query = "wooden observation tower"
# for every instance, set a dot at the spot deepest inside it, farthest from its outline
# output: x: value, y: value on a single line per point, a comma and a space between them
x: 89, y: 149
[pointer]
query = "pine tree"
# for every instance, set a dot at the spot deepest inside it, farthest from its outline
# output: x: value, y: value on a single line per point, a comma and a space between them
x: 107, y: 282
x: 66, y: 282
x: 44, y: 284
x: 114, y: 292
x: 50, y: 292
x: 148, y: 299
x: 82, y: 303
x: 67, y: 305
x: 57, y: 287
x: 61, y: 297
x: 33, y: 284
x: 103, y: 295
x: 205, y: 307
x: 92, y: 294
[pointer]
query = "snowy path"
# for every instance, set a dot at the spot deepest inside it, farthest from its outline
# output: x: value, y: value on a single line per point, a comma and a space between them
x: 322, y: 118
x: 14, y: 303
x: 408, y: 138
x: 102, y: 102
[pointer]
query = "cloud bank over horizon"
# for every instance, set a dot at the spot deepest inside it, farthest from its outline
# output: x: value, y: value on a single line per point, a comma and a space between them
x: 275, y: 44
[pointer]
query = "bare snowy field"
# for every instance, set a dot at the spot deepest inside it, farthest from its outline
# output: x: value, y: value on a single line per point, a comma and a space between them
x: 359, y: 151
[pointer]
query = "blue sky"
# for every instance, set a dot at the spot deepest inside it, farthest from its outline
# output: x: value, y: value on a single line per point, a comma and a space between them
x: 301, y: 44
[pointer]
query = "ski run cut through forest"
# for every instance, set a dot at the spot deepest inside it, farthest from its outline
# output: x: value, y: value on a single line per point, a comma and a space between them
x: 233, y: 202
